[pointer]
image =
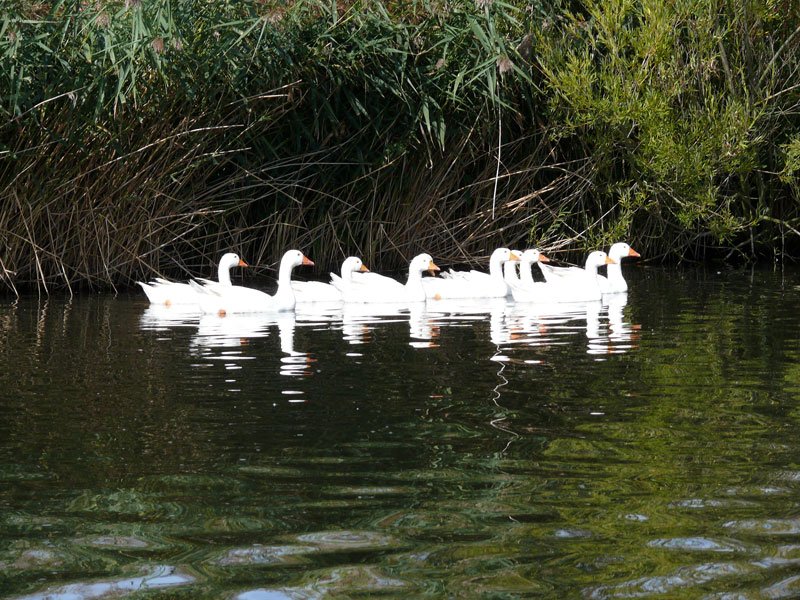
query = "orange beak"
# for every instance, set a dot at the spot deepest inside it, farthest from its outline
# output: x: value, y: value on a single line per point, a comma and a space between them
x: 242, y: 263
x: 633, y: 253
x: 610, y: 261
x: 432, y: 267
x: 543, y: 258
x: 514, y: 256
x: 307, y: 261
x: 364, y: 269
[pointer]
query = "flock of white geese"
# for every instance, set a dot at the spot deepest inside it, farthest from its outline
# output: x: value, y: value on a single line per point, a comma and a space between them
x: 510, y: 276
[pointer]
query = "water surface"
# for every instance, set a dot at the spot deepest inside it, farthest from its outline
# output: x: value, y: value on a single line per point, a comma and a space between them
x: 642, y: 447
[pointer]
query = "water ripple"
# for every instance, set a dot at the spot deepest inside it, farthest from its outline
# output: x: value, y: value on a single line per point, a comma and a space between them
x: 767, y: 526
x: 159, y: 577
x: 701, y: 544
x: 337, y: 582
x: 683, y: 577
x: 265, y: 555
x: 347, y: 540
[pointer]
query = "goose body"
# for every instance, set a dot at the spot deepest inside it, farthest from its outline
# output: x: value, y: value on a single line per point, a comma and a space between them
x: 374, y: 288
x: 168, y: 293
x: 581, y: 285
x: 473, y: 284
x: 317, y: 291
x: 215, y: 299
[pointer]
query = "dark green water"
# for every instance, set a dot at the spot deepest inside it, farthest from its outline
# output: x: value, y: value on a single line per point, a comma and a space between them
x: 649, y: 448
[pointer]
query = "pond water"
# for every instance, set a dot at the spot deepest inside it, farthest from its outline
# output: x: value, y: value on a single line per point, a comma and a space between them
x: 646, y: 447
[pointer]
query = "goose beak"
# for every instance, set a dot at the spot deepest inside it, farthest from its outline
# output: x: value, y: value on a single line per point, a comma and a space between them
x: 543, y: 258
x: 432, y: 268
x: 364, y: 269
x: 610, y: 261
x: 633, y: 253
x: 307, y: 261
x: 242, y: 263
x: 514, y: 255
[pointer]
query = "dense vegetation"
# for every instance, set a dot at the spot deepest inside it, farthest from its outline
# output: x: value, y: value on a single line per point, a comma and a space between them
x: 144, y: 137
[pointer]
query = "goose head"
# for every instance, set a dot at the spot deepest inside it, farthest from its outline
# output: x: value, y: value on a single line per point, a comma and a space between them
x: 226, y: 263
x: 295, y: 258
x: 230, y: 260
x: 353, y: 264
x: 596, y: 259
x: 422, y: 262
x: 500, y: 257
x: 622, y: 250
x: 533, y: 256
x: 290, y: 260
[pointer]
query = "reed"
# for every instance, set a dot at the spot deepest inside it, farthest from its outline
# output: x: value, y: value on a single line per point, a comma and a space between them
x: 148, y: 138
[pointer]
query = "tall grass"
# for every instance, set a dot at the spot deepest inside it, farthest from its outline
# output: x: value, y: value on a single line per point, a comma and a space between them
x: 141, y: 138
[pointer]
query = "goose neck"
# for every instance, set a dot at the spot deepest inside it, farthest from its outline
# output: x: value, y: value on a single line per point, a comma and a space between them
x: 614, y: 271
x: 414, y: 288
x: 526, y: 273
x: 510, y: 273
x: 224, y: 274
x: 496, y: 268
x: 284, y: 296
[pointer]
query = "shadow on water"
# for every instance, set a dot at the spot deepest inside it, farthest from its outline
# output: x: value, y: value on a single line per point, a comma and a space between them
x: 643, y: 446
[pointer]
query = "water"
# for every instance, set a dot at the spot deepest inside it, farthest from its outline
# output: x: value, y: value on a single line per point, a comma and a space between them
x: 645, y: 448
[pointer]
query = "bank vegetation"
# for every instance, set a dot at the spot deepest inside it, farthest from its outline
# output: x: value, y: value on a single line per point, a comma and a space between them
x: 147, y: 137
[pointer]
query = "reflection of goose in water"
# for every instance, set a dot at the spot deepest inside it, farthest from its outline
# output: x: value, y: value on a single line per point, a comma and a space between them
x: 358, y: 318
x: 538, y: 324
x: 293, y: 363
x: 423, y: 328
x: 223, y: 338
x: 231, y: 331
x: 501, y: 331
x: 617, y: 336
x: 158, y: 317
x: 286, y: 327
x: 358, y: 321
x: 466, y: 309
x: 596, y: 340
x: 319, y: 312
x: 623, y: 335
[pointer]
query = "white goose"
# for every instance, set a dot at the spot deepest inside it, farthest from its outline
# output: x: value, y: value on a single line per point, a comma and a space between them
x: 528, y: 290
x: 215, y: 299
x: 553, y: 273
x: 161, y: 291
x: 570, y: 284
x: 615, y: 282
x: 317, y: 291
x: 474, y: 284
x: 374, y: 288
